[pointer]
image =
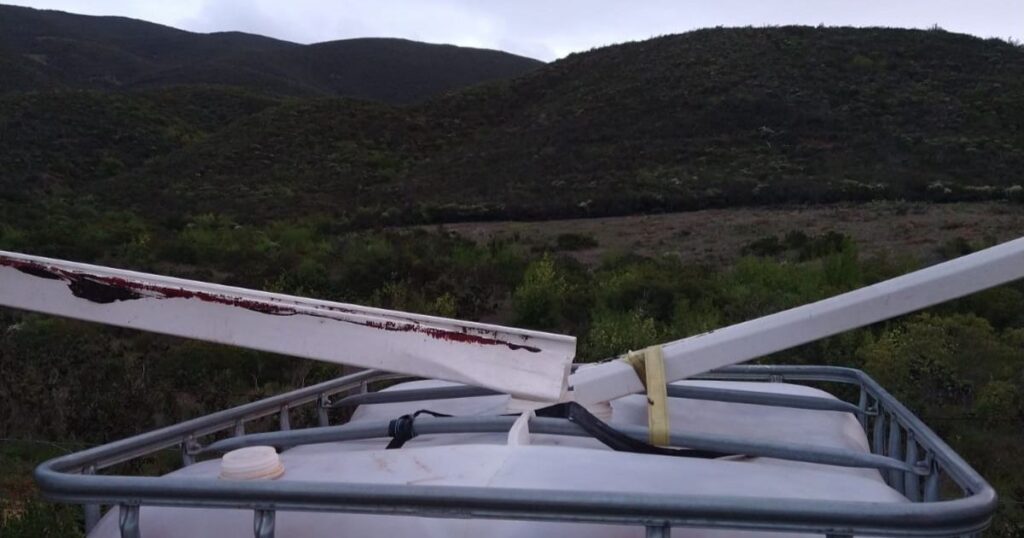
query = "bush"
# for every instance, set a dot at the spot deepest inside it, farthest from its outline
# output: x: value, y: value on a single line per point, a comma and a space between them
x: 538, y: 301
x: 571, y: 241
x: 935, y: 362
x: 614, y: 333
x: 998, y: 401
x: 765, y: 246
x: 38, y: 519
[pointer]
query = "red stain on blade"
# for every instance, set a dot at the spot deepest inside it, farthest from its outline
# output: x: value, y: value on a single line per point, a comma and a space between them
x: 462, y: 337
x: 106, y: 289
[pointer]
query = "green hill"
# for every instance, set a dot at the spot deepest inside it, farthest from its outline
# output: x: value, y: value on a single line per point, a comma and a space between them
x: 45, y: 50
x: 61, y: 144
x: 709, y: 118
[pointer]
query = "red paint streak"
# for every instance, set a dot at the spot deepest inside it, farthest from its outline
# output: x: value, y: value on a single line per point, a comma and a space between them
x: 462, y: 337
x: 165, y: 292
x: 264, y: 307
x: 23, y: 265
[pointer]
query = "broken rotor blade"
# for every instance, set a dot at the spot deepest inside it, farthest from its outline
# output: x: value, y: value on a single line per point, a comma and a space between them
x: 527, y: 364
x: 776, y: 332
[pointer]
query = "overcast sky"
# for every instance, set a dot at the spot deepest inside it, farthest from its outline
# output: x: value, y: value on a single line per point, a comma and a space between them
x: 543, y: 29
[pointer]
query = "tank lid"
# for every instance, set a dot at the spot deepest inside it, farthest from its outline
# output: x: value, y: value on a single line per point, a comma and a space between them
x: 251, y: 463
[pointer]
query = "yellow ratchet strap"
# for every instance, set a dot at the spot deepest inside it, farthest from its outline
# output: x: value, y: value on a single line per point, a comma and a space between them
x: 650, y: 368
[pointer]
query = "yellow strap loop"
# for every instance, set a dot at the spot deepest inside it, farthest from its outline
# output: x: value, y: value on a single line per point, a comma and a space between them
x: 650, y: 368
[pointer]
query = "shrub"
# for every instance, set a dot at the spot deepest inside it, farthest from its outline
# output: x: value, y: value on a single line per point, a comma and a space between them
x: 765, y: 246
x: 572, y: 241
x: 537, y: 302
x: 38, y: 519
x: 997, y: 401
x: 614, y: 333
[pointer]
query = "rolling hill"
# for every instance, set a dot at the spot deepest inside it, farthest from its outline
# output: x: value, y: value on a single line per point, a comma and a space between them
x: 710, y: 118
x: 706, y: 119
x: 42, y: 50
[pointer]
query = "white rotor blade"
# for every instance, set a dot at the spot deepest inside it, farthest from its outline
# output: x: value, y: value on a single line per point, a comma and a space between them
x: 762, y: 336
x: 527, y: 364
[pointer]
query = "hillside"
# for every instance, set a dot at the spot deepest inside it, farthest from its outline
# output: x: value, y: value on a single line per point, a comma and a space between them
x: 45, y: 50
x: 61, y: 144
x: 711, y: 118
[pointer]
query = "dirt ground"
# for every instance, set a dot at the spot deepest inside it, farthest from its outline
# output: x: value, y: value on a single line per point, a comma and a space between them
x: 716, y: 236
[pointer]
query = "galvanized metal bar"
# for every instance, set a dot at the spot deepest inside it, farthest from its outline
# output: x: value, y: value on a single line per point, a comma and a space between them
x: 761, y: 398
x: 322, y: 405
x: 128, y: 521
x: 747, y: 513
x: 263, y: 523
x: 90, y: 512
x: 962, y: 516
x: 862, y: 405
x: 188, y: 448
x: 173, y: 436
x: 931, y: 482
x: 878, y: 432
x: 911, y: 481
x: 895, y: 451
x: 674, y: 391
x: 411, y: 395
x: 346, y: 432
x: 958, y: 469
x: 887, y: 405
x: 765, y: 373
x: 283, y: 419
x: 659, y: 530
x: 239, y: 428
x: 552, y: 426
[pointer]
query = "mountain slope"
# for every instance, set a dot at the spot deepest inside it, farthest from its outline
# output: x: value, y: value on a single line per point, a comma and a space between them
x: 42, y: 50
x: 63, y: 143
x: 708, y: 118
x: 759, y: 115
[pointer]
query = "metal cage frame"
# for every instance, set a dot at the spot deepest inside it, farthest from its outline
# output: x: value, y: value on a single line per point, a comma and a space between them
x: 911, y: 457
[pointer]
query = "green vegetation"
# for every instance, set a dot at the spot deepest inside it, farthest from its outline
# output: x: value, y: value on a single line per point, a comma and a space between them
x: 711, y: 118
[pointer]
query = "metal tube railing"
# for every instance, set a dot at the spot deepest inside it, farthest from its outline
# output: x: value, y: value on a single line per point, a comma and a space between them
x: 552, y: 426
x: 924, y: 455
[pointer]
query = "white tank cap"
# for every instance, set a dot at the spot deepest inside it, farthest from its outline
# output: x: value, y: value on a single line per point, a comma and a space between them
x: 251, y: 463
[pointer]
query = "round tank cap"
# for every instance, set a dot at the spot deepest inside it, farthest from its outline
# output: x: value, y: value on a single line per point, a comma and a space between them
x: 251, y: 463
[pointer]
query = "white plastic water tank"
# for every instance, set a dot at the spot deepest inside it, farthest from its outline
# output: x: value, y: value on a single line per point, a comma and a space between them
x: 552, y: 462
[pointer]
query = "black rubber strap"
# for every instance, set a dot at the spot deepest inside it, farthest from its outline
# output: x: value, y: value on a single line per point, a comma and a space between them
x: 401, y: 429
x: 614, y: 439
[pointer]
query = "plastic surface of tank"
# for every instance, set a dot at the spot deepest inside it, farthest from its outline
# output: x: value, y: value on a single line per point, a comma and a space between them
x: 547, y: 462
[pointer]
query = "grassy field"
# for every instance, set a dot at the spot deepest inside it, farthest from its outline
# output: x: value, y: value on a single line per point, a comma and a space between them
x: 719, y: 236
